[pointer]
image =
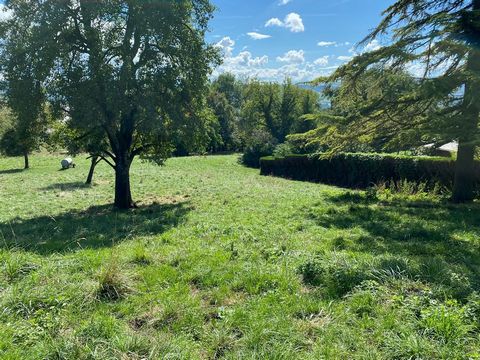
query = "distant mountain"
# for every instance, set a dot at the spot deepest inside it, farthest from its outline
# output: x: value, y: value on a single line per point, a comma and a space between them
x: 324, y: 102
x: 318, y: 88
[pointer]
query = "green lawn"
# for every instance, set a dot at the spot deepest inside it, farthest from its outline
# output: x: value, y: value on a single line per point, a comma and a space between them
x: 219, y: 262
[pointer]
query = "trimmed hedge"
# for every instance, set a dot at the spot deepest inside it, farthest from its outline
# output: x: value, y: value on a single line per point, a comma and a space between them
x: 363, y: 170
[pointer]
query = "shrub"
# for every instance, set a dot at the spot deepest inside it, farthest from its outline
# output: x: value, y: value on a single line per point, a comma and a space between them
x: 363, y: 170
x: 260, y: 144
x: 282, y: 150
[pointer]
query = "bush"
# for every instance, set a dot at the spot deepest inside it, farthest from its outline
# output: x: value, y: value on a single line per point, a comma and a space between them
x: 260, y: 144
x: 282, y: 150
x: 363, y: 170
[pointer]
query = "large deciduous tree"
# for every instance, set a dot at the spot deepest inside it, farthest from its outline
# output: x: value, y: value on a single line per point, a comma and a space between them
x: 135, y: 69
x: 442, y: 38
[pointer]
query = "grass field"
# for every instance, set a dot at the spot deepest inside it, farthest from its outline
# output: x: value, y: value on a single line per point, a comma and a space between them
x: 219, y: 262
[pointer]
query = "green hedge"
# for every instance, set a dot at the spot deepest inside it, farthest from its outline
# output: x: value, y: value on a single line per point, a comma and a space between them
x: 362, y: 170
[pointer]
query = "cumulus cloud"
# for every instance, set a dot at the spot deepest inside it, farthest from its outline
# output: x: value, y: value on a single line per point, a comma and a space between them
x: 245, y: 58
x: 327, y: 43
x: 297, y: 72
x: 292, y: 22
x: 323, y: 61
x: 293, y: 57
x: 292, y: 65
x: 345, y: 58
x: 226, y: 45
x: 274, y: 22
x: 284, y: 2
x: 258, y: 36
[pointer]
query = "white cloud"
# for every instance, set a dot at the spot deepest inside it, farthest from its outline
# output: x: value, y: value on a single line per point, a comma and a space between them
x: 284, y: 2
x: 293, y: 57
x: 226, y: 45
x: 372, y: 46
x: 5, y: 14
x: 274, y: 22
x: 292, y: 65
x: 258, y: 36
x: 245, y: 58
x: 323, y: 61
x: 258, y: 61
x: 345, y: 58
x: 292, y: 22
x: 297, y: 72
x: 327, y: 43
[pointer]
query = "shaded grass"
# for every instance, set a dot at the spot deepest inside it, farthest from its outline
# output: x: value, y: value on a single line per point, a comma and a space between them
x: 219, y: 262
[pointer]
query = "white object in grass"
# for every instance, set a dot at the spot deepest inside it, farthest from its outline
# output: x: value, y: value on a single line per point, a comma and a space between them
x: 67, y: 163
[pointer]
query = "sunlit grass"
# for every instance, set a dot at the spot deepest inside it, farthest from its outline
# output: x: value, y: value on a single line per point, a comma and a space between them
x: 219, y: 262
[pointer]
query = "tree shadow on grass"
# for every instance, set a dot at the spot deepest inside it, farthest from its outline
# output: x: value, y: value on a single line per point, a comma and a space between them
x: 97, y: 227
x: 420, y: 231
x: 67, y: 186
x: 11, y: 171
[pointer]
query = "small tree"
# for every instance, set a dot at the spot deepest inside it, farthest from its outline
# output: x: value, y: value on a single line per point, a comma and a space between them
x: 25, y: 99
x: 230, y: 87
x: 227, y: 120
x: 24, y: 135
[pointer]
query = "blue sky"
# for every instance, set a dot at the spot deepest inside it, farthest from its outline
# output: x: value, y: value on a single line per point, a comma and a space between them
x: 301, y: 39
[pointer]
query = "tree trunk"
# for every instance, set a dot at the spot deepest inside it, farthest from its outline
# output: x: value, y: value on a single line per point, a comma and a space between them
x: 463, y: 190
x: 92, y: 170
x: 123, y: 195
x: 464, y: 185
x: 25, y: 158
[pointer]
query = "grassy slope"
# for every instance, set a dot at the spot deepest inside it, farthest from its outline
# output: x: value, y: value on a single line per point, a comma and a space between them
x: 210, y: 266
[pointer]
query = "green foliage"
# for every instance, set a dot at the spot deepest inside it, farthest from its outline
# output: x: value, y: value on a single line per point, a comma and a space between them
x: 279, y: 108
x: 364, y: 170
x: 23, y: 93
x: 227, y: 123
x: 442, y: 38
x: 361, y: 117
x: 230, y: 87
x: 111, y: 76
x: 6, y: 119
x: 283, y: 150
x: 259, y: 144
x: 9, y: 144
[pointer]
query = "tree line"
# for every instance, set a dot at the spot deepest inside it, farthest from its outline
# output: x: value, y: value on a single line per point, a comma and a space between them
x: 122, y: 79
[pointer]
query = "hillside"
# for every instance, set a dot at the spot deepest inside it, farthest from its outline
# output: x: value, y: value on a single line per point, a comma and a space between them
x: 220, y: 262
